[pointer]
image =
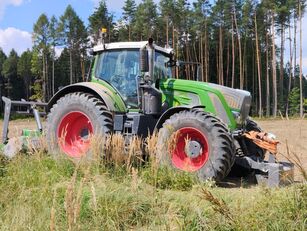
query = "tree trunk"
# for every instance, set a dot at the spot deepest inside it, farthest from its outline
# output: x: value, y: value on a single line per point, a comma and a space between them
x: 206, y: 53
x: 167, y: 44
x: 217, y: 63
x: 240, y: 51
x: 274, y: 70
x: 174, y: 70
x: 281, y: 73
x: 177, y: 49
x: 47, y: 80
x: 221, y: 74
x: 227, y: 65
x: 244, y: 61
x: 203, y: 65
x: 268, y: 107
x: 53, y: 77
x: 258, y: 69
x: 294, y: 45
x: 82, y: 68
x: 290, y: 72
x: 129, y: 31
x: 233, y: 54
x: 44, y: 79
x: 301, y: 64
x: 173, y: 39
x: 70, y: 66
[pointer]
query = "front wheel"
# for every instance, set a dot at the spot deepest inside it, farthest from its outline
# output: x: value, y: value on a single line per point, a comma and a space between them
x: 73, y: 120
x: 194, y: 141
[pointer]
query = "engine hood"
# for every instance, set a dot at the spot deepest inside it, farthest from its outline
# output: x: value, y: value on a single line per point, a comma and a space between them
x: 238, y: 100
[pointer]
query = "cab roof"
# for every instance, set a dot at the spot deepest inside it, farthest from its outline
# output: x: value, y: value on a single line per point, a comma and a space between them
x: 129, y: 45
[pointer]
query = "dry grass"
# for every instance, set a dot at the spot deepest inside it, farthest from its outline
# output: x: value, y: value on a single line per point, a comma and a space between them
x: 113, y: 192
x: 218, y: 204
x: 291, y: 133
x: 41, y: 192
x: 117, y: 191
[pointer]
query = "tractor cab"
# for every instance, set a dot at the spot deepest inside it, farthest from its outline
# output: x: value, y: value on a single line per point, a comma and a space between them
x: 120, y: 65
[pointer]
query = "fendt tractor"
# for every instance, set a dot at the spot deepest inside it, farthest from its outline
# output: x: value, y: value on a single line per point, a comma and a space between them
x: 131, y: 91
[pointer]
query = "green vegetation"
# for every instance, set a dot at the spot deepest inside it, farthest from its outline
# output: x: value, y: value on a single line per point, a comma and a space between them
x: 40, y: 192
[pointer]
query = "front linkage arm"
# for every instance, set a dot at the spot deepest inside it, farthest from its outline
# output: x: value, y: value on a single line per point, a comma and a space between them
x: 31, y: 109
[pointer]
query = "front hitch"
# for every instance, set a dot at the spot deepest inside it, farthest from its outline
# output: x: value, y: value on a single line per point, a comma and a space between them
x: 272, y: 173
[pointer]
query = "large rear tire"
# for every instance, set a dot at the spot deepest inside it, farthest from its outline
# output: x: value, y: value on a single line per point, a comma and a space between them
x: 202, y: 145
x: 73, y: 120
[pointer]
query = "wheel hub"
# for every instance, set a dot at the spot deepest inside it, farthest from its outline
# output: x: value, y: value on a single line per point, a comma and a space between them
x: 74, y: 132
x: 193, y: 148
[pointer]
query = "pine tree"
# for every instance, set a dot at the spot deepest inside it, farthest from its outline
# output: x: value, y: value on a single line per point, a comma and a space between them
x: 13, y: 84
x: 2, y: 60
x: 41, y: 45
x: 54, y: 42
x: 167, y: 12
x: 294, y: 101
x: 145, y: 20
x: 129, y: 10
x: 74, y: 36
x: 100, y: 19
x: 24, y: 71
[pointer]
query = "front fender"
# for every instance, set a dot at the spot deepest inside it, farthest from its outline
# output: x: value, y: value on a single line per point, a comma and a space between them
x: 171, y: 111
x: 112, y: 99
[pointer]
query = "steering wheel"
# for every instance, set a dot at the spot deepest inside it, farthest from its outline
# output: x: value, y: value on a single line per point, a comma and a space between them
x: 117, y: 80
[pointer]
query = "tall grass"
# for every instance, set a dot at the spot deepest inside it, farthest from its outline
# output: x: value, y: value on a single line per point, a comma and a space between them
x: 117, y: 190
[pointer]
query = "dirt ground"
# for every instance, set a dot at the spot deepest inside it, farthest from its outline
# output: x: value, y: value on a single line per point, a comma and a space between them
x: 292, y: 135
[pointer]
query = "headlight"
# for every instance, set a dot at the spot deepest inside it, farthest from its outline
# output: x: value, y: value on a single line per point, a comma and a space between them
x: 237, y: 117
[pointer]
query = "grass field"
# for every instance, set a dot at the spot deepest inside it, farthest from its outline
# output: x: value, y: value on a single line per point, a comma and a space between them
x: 40, y: 192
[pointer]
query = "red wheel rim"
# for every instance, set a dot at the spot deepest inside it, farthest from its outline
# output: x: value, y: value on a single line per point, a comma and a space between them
x: 73, y: 134
x: 183, y: 160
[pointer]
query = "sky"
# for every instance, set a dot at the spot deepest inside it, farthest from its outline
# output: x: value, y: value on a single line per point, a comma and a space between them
x: 18, y: 16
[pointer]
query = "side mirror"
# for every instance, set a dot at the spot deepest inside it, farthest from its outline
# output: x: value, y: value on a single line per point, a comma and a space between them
x: 144, y: 60
x: 91, y: 52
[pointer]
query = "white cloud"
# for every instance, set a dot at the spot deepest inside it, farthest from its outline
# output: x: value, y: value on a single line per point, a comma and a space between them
x: 12, y: 38
x: 5, y: 3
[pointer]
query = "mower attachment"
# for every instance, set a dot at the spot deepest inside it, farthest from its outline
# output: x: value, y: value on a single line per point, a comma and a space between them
x: 271, y: 172
x: 23, y: 108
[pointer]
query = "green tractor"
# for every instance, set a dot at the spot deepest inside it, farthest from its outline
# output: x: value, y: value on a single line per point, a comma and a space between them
x: 131, y: 91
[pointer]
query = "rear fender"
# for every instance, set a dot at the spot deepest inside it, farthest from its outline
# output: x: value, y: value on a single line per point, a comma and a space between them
x: 112, y: 100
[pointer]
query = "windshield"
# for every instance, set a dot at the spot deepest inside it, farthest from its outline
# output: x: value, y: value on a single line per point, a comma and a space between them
x: 120, y: 68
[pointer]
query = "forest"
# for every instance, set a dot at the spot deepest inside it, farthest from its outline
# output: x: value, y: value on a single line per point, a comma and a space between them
x: 245, y: 44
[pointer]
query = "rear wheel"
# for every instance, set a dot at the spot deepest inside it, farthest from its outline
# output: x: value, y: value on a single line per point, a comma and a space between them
x: 73, y: 120
x: 194, y: 141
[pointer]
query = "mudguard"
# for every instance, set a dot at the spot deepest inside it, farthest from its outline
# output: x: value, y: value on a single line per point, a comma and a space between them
x: 112, y: 99
x: 169, y: 112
